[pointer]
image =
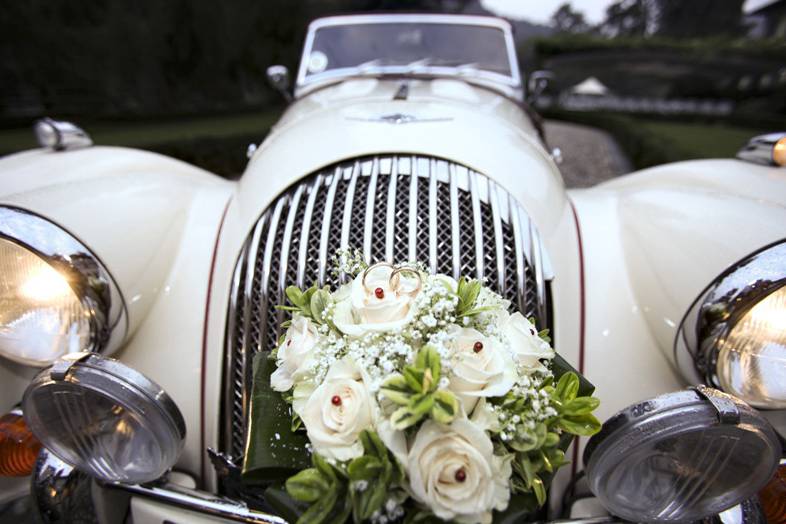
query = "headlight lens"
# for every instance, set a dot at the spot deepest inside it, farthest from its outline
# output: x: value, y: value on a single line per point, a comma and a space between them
x: 104, y: 418
x: 752, y: 358
x: 41, y: 318
x: 55, y: 296
x: 734, y: 335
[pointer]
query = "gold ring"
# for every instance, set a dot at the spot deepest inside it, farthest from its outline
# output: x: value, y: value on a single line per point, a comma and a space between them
x: 396, y: 285
x: 371, y: 268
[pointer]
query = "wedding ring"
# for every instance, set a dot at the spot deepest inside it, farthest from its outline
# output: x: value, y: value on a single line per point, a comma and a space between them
x: 395, y: 280
x: 371, y: 268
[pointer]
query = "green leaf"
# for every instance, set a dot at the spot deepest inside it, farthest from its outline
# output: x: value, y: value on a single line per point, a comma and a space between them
x: 414, y: 378
x: 371, y: 499
x: 319, y: 512
x: 365, y: 467
x: 373, y: 445
x: 420, y: 404
x: 295, y: 295
x: 580, y: 406
x: 551, y: 440
x: 397, y: 390
x: 428, y: 358
x: 324, y: 467
x: 539, y: 489
x: 319, y: 303
x: 403, y: 418
x: 283, y: 504
x: 273, y: 451
x: 445, y: 408
x: 567, y: 387
x: 584, y: 425
x: 307, y: 486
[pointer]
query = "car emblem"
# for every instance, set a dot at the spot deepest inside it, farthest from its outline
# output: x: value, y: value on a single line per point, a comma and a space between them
x: 400, y: 118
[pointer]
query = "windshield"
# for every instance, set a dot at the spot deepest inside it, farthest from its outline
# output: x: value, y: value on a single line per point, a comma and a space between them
x: 361, y: 47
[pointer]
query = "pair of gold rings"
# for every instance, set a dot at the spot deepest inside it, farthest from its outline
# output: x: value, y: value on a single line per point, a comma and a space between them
x: 395, y: 281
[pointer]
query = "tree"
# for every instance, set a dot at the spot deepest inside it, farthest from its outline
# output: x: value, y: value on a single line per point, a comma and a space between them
x: 699, y: 18
x: 629, y: 18
x: 566, y: 20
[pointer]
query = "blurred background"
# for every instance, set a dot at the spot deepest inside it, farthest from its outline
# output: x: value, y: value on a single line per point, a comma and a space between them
x: 668, y: 79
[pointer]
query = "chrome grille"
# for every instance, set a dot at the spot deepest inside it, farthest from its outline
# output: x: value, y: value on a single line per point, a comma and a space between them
x: 394, y: 208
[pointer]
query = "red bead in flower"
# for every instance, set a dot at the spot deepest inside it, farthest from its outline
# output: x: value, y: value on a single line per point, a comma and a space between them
x: 379, y: 293
x: 336, y: 400
x: 461, y: 475
x: 478, y: 347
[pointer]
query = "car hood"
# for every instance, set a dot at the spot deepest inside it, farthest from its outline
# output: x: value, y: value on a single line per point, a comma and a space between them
x: 443, y: 118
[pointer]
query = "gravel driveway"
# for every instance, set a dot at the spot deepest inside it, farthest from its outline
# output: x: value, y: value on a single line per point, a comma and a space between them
x: 589, y: 155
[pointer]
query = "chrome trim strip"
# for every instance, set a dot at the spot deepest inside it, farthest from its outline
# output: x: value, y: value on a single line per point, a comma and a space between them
x: 369, y: 218
x: 229, y: 357
x: 537, y: 266
x: 432, y: 216
x: 413, y: 211
x: 287, y: 241
x: 346, y: 219
x: 455, y: 239
x: 519, y: 249
x: 303, y: 247
x: 198, y: 501
x: 474, y: 192
x: 270, y: 241
x: 251, y: 261
x: 90, y: 280
x: 498, y: 242
x: 390, y: 218
x: 325, y: 233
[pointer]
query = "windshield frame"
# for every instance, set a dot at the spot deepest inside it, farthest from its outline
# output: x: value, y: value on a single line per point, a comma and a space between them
x: 509, y: 85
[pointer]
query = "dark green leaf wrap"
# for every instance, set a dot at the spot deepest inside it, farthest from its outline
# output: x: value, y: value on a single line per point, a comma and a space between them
x: 273, y: 451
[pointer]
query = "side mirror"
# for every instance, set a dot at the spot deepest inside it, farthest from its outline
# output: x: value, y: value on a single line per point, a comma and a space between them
x: 278, y: 77
x: 537, y: 83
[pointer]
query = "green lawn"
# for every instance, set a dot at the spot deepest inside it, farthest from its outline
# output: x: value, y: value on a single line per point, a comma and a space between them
x: 216, y: 143
x: 701, y: 140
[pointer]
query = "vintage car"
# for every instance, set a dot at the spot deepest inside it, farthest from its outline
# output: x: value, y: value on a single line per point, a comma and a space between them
x: 409, y: 137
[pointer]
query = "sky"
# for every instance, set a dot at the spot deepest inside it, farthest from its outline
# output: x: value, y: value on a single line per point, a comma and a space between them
x: 540, y: 11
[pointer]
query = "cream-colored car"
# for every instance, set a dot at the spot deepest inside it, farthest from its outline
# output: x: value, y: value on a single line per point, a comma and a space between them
x: 408, y: 137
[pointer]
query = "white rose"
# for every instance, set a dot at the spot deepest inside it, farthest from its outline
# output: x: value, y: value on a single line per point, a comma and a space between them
x: 379, y: 304
x: 337, y: 411
x: 481, y: 368
x: 453, y: 470
x: 295, y: 351
x: 525, y: 344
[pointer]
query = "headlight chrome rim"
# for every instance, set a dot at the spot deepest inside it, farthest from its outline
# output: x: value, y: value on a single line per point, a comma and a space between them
x: 718, y: 309
x: 88, y: 277
x: 90, y: 374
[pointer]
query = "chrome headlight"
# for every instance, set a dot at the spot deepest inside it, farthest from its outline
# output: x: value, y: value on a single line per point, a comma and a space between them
x: 55, y: 295
x: 104, y: 418
x: 734, y: 335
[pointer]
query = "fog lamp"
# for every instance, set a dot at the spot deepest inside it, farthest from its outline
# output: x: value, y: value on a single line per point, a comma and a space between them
x: 18, y: 447
x: 104, y: 418
x: 779, y: 152
x: 681, y: 457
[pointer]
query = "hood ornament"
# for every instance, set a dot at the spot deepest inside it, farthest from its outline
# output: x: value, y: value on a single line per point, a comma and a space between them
x: 399, y: 118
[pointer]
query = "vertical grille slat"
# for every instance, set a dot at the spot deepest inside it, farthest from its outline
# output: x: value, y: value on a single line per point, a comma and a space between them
x: 394, y: 208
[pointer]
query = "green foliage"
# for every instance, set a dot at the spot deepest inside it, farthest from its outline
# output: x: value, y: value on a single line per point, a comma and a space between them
x: 538, y: 451
x: 416, y: 391
x: 468, y: 291
x: 358, y: 488
x: 312, y: 303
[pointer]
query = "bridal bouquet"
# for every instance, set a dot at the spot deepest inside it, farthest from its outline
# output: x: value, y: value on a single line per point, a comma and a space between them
x: 404, y: 396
